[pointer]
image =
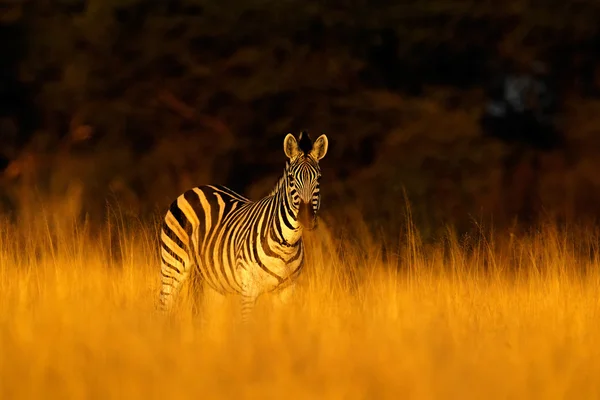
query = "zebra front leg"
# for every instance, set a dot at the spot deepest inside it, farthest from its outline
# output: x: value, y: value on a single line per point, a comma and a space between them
x: 281, y: 300
x: 285, y: 295
x: 248, y: 303
x: 249, y: 296
x: 249, y: 293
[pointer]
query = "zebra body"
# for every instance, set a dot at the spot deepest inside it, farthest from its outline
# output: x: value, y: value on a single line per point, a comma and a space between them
x: 239, y: 246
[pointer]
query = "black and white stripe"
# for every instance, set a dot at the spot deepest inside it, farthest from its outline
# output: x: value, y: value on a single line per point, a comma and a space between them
x: 240, y: 246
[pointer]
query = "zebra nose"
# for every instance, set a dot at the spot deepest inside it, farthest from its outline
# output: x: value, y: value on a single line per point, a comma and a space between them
x: 306, y: 215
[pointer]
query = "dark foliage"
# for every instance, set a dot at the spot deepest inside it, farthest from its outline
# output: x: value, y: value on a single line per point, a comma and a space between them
x: 178, y: 93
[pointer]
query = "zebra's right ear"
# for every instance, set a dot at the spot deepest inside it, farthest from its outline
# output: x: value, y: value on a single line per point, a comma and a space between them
x: 290, y: 146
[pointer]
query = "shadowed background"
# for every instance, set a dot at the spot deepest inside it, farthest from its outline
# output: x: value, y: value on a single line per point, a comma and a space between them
x: 135, y: 101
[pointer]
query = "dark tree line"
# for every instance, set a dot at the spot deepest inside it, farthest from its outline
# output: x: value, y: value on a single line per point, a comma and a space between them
x: 167, y: 94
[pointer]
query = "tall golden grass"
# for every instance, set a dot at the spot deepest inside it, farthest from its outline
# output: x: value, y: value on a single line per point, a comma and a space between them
x: 486, y: 317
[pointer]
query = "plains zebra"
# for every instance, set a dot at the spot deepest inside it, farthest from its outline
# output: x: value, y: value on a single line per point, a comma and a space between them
x: 241, y: 246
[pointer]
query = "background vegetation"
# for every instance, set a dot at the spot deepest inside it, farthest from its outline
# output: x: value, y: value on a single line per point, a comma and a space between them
x: 136, y: 101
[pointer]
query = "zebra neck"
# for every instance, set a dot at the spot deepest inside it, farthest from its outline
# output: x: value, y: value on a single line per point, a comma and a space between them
x: 282, y: 182
x: 286, y: 226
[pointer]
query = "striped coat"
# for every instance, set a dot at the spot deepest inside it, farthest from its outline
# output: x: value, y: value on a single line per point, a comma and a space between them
x: 239, y: 246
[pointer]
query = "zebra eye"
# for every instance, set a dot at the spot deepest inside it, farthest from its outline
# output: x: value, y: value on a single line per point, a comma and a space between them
x: 290, y: 177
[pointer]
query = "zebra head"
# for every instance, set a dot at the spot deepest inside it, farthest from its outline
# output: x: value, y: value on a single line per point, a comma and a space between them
x: 303, y: 176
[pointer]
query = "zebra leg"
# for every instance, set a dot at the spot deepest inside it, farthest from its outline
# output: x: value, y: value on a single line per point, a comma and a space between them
x: 172, y: 279
x: 285, y: 295
x: 170, y: 288
x: 176, y: 262
x: 248, y: 303
x: 249, y: 293
x: 249, y: 296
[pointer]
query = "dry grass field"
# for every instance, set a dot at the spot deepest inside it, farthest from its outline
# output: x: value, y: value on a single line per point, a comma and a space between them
x: 477, y: 318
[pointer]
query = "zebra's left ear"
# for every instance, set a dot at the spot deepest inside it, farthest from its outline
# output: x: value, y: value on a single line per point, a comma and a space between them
x: 320, y: 147
x: 290, y: 146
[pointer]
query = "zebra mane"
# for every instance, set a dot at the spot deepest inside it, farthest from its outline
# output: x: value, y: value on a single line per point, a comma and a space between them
x: 281, y: 181
x: 305, y: 143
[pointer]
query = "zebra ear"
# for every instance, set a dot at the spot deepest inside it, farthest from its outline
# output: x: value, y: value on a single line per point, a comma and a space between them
x: 320, y: 147
x: 290, y: 146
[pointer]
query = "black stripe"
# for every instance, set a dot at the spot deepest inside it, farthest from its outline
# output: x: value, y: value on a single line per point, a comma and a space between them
x: 172, y: 235
x: 170, y: 266
x: 223, y: 259
x: 194, y: 201
x: 264, y: 268
x: 299, y: 252
x: 171, y: 252
x: 211, y: 243
x: 220, y: 254
x: 265, y: 235
x: 286, y: 222
x: 256, y: 230
x: 234, y: 195
x: 180, y: 217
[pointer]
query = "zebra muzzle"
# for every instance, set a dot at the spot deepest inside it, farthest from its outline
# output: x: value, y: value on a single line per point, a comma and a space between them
x: 307, y: 216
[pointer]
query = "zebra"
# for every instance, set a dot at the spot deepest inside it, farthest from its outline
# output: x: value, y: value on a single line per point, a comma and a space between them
x: 243, y: 247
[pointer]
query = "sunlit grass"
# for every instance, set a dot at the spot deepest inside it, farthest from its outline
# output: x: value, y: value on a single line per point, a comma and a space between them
x: 482, y: 318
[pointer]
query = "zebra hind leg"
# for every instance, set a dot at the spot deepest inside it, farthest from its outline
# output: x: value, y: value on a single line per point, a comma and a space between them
x: 196, y: 291
x: 171, y: 281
